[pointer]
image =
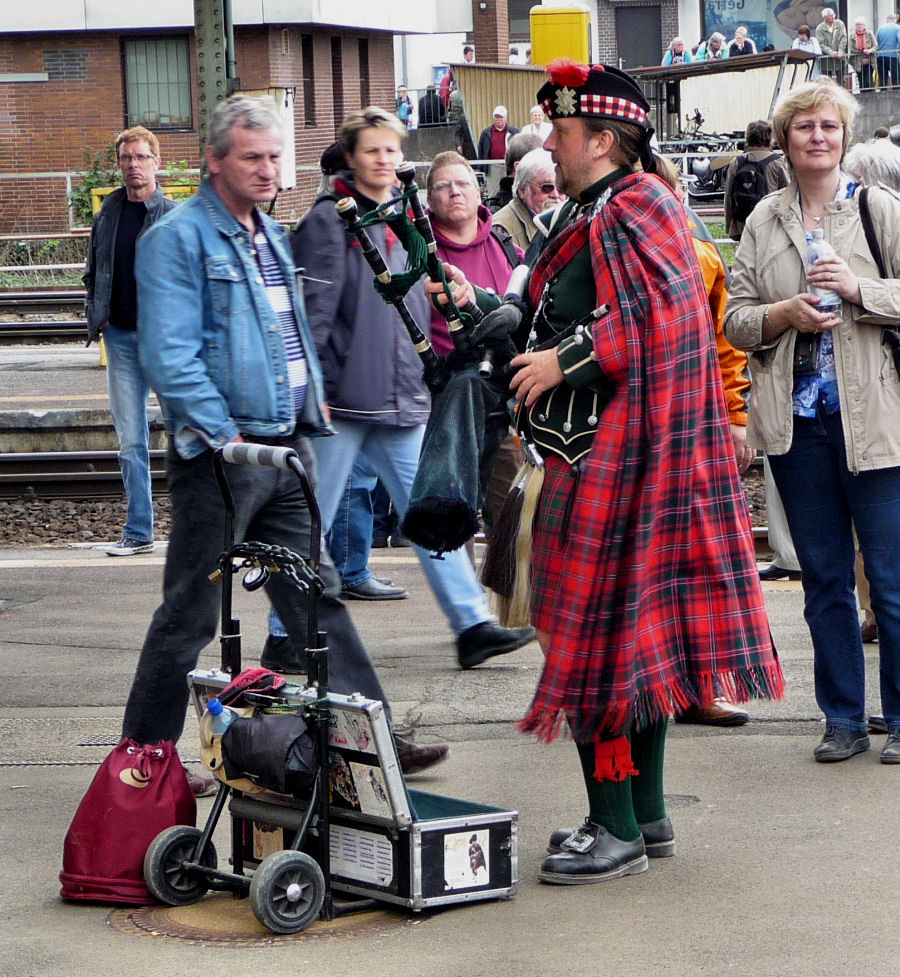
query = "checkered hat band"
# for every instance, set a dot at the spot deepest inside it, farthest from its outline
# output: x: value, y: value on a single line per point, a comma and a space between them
x: 610, y: 107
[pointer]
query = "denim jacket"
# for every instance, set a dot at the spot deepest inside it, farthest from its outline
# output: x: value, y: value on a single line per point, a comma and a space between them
x: 98, y: 272
x: 208, y: 338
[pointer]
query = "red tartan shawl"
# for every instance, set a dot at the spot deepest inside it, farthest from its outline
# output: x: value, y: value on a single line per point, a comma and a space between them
x: 660, y: 598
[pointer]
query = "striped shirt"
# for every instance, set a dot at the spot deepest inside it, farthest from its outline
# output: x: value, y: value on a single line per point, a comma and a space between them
x: 279, y: 296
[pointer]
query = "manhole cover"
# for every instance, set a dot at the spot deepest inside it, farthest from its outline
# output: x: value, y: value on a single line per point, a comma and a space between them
x: 222, y: 920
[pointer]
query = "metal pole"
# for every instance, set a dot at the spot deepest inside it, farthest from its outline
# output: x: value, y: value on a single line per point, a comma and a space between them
x: 212, y: 74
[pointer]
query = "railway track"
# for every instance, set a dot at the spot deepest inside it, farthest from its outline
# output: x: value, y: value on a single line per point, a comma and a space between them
x: 46, y: 331
x: 69, y: 474
x: 41, y: 301
x: 20, y: 309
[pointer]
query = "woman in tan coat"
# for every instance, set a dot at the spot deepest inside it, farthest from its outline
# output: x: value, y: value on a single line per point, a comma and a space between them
x: 825, y: 400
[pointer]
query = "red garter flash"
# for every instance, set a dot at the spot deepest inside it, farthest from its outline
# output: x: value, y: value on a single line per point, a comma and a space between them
x: 612, y: 760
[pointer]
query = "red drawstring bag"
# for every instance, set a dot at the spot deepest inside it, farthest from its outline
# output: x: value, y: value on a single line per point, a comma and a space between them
x: 138, y: 792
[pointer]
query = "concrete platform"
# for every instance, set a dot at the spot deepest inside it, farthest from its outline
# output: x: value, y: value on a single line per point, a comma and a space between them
x: 53, y: 398
x: 785, y: 867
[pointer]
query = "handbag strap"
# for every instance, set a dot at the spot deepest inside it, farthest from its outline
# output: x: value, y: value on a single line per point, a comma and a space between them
x: 865, y: 215
x: 889, y: 336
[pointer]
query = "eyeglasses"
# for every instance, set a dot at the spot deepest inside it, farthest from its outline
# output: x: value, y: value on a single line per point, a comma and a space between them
x: 135, y: 158
x: 808, y: 128
x: 544, y: 187
x: 446, y: 185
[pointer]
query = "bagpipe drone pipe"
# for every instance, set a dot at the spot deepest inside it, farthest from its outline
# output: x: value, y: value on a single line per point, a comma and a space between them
x: 469, y: 386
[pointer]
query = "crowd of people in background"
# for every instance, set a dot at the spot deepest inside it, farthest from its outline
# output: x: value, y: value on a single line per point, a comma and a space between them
x: 864, y: 60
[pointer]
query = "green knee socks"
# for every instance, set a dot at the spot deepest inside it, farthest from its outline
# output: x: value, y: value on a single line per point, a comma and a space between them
x: 621, y: 807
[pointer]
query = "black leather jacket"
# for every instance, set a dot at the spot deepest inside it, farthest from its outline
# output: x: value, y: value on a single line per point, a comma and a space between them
x: 98, y: 272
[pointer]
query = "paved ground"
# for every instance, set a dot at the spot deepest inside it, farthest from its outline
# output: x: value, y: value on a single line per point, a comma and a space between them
x: 784, y: 866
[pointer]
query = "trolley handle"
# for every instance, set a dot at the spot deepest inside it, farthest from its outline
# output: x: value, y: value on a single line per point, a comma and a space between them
x: 259, y: 455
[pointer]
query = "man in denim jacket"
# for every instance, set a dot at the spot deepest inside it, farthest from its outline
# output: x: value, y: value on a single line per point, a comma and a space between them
x: 225, y: 343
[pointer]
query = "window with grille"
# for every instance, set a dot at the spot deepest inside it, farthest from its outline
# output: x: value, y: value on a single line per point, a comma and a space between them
x: 158, y: 83
x: 364, y: 80
x: 308, y: 80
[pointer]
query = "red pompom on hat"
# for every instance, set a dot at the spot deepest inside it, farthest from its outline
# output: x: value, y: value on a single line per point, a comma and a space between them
x: 565, y: 71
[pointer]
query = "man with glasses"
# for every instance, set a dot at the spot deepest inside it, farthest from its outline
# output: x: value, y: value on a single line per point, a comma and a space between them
x: 111, y: 309
x: 466, y: 234
x: 534, y: 191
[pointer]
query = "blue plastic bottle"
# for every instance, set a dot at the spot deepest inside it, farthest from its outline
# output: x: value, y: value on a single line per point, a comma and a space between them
x: 220, y: 717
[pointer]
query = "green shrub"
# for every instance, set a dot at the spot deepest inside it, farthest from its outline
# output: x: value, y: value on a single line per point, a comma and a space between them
x: 100, y: 170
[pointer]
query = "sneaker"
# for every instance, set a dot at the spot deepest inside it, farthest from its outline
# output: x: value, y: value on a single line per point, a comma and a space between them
x: 129, y: 547
x: 840, y: 744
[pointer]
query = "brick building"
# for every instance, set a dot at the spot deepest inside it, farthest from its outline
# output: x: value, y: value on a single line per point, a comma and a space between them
x: 68, y: 91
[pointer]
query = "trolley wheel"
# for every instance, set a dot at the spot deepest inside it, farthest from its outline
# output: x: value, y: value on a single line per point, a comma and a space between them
x: 164, y: 873
x: 287, y: 891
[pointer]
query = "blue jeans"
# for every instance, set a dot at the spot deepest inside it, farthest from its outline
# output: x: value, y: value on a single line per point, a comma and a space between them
x: 270, y: 508
x: 128, y: 393
x: 393, y: 454
x: 823, y: 501
x: 349, y: 540
x: 350, y: 536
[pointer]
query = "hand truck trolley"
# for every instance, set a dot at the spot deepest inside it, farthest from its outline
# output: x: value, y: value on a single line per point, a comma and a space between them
x: 356, y: 829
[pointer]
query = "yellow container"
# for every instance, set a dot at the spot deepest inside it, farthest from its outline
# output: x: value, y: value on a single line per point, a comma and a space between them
x: 560, y: 32
x: 175, y: 191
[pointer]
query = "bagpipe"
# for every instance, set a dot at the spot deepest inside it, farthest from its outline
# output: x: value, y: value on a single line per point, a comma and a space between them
x: 469, y: 386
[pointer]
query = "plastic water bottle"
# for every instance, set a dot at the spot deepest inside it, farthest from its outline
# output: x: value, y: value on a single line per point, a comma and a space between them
x: 817, y: 248
x: 220, y: 717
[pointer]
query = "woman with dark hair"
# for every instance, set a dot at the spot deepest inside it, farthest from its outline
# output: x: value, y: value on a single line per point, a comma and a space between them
x: 825, y: 400
x: 806, y: 42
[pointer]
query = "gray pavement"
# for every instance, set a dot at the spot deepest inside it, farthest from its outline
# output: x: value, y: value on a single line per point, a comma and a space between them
x: 784, y: 866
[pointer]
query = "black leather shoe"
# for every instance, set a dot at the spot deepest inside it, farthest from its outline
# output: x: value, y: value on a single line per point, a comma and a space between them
x: 475, y: 645
x: 877, y: 724
x: 890, y: 752
x: 592, y: 854
x: 415, y: 759
x: 279, y: 655
x: 373, y: 589
x: 841, y: 744
x: 773, y: 572
x: 659, y: 838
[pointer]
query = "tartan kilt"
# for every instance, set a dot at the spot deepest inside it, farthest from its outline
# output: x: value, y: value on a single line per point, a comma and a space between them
x: 548, y: 550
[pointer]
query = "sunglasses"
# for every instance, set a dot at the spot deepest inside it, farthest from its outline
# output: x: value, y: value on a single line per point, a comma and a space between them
x: 545, y: 187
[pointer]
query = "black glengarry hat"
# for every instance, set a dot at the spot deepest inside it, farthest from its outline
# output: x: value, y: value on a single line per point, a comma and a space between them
x: 599, y: 91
